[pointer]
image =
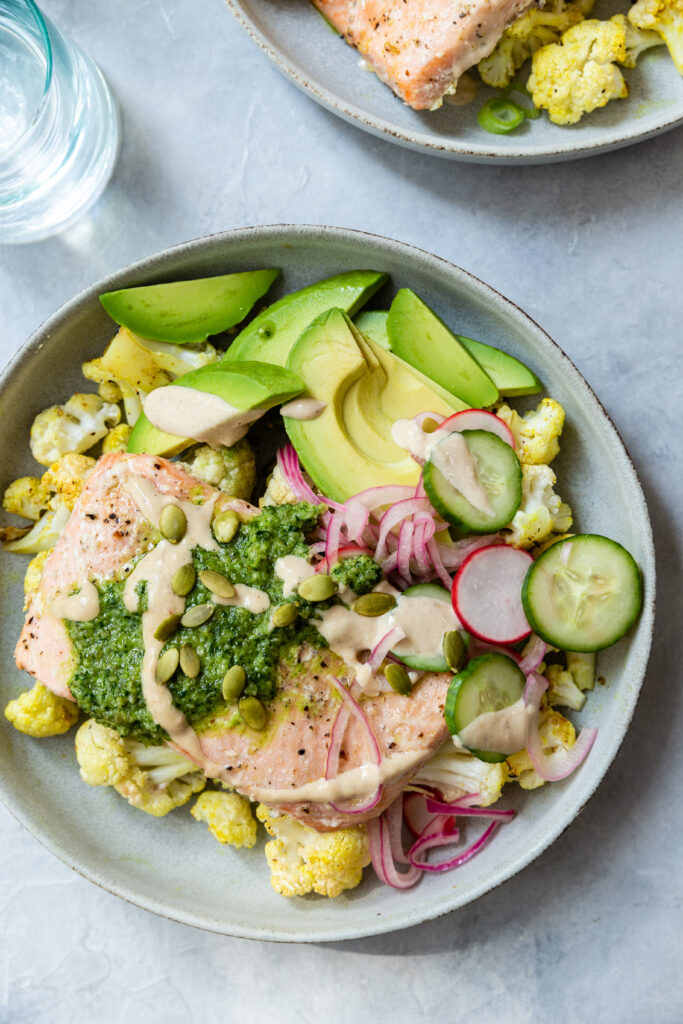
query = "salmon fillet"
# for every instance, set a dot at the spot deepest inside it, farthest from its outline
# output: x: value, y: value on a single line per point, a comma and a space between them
x: 420, y: 48
x: 104, y: 533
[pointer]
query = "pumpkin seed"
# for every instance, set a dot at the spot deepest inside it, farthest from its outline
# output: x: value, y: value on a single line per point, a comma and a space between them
x: 198, y: 614
x: 317, y: 588
x: 167, y: 627
x: 217, y: 583
x: 190, y: 664
x: 173, y: 523
x: 398, y: 679
x: 184, y: 579
x: 374, y: 604
x: 167, y: 664
x: 285, y: 614
x: 253, y: 712
x: 225, y: 526
x: 454, y: 649
x: 234, y: 682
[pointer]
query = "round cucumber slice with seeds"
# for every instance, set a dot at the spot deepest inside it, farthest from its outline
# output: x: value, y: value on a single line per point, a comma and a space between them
x: 489, y: 683
x: 583, y: 593
x: 426, y: 661
x: 499, y: 473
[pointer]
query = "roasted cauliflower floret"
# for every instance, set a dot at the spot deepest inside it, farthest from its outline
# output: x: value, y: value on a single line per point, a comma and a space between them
x: 228, y: 816
x: 541, y: 512
x: 536, y: 433
x: 73, y: 427
x: 117, y: 439
x: 563, y: 691
x: 232, y: 470
x: 535, y: 28
x: 577, y: 75
x: 278, y: 491
x: 108, y: 389
x: 637, y: 40
x: 26, y: 497
x: 302, y: 860
x: 665, y: 17
x: 34, y: 572
x: 66, y: 477
x: 454, y: 772
x: 45, y: 534
x: 153, y: 779
x: 40, y: 712
x: 582, y: 668
x: 556, y: 731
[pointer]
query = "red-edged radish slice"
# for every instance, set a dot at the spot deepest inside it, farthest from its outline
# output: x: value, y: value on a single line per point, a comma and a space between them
x: 487, y: 594
x: 415, y: 814
x: 479, y: 419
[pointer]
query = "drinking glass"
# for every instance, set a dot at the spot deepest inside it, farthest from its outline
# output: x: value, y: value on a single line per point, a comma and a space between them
x: 59, y: 127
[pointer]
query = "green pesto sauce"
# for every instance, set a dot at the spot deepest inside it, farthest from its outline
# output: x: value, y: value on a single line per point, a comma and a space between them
x: 106, y: 682
x: 360, y: 573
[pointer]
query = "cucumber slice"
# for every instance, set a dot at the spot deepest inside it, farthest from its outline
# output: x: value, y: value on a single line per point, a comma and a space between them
x: 499, y: 473
x: 489, y: 683
x: 426, y: 661
x: 583, y: 593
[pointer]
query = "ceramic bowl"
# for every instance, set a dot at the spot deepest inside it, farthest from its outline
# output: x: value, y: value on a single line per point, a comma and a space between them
x: 173, y: 866
x: 317, y: 60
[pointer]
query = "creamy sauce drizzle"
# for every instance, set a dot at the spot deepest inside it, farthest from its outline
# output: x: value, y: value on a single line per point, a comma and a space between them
x: 251, y: 598
x: 84, y: 606
x: 504, y: 731
x: 351, y: 785
x: 448, y: 451
x: 292, y: 570
x: 202, y: 416
x: 303, y: 409
x: 423, y: 620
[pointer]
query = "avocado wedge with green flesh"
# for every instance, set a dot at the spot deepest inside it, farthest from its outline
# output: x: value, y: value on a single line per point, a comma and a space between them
x: 272, y: 334
x: 417, y: 335
x: 185, y: 312
x: 510, y: 376
x: 247, y: 385
x: 349, y: 447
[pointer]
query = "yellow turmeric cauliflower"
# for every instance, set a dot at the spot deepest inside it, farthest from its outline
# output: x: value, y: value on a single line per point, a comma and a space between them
x: 26, y: 497
x: 65, y: 478
x: 44, y: 534
x: 302, y: 860
x: 108, y: 389
x: 34, y: 573
x: 73, y: 427
x: 637, y: 40
x: 541, y: 512
x: 665, y: 17
x: 536, y: 433
x: 117, y: 439
x: 454, y: 772
x: 556, y: 731
x: 533, y: 29
x: 278, y: 491
x: 153, y: 779
x: 40, y: 712
x: 228, y: 816
x: 577, y: 75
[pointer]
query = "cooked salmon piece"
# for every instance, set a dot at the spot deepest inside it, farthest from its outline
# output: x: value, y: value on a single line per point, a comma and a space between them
x: 105, y: 532
x: 420, y: 48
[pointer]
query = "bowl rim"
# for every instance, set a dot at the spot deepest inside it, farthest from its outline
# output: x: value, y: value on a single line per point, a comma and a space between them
x: 379, y: 925
x: 421, y: 141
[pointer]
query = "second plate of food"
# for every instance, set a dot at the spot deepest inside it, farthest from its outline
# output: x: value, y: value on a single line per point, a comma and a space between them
x: 171, y: 864
x: 317, y: 60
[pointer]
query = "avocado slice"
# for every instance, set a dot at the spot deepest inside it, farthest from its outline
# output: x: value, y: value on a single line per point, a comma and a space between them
x: 247, y: 385
x: 373, y: 324
x: 417, y: 335
x: 510, y: 376
x: 185, y: 312
x: 349, y: 446
x: 271, y: 335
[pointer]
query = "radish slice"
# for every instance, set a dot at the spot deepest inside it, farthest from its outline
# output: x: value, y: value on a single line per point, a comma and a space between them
x: 416, y: 815
x: 479, y: 419
x: 487, y: 594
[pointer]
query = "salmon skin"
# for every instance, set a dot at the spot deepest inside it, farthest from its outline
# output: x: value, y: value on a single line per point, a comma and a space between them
x: 420, y: 48
x: 105, y: 533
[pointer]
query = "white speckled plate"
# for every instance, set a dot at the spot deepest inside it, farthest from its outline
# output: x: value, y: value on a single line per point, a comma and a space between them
x: 306, y: 49
x: 173, y: 866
